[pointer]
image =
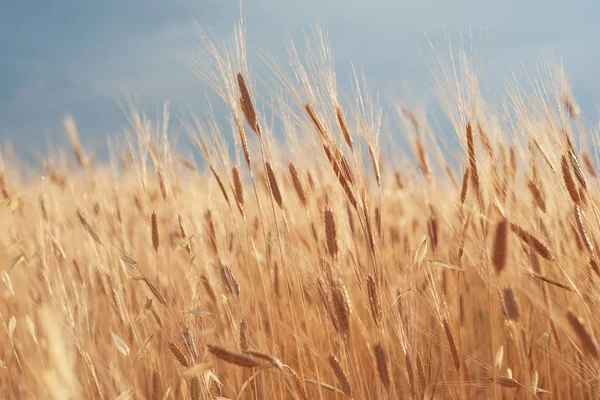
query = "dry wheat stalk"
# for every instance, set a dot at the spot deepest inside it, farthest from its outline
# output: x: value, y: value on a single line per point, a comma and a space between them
x: 412, y: 118
x: 452, y: 344
x: 367, y: 219
x: 232, y: 357
x: 229, y: 280
x: 3, y: 187
x: 330, y: 232
x: 190, y: 342
x: 576, y: 166
x: 339, y: 158
x: 511, y: 305
x: 238, y: 188
x: 485, y: 140
x: 513, y: 162
x: 154, y: 223
x: 398, y: 180
x: 421, y: 372
x: 342, y: 307
x: 410, y: 373
x: 375, y: 162
x: 155, y: 292
x: 186, y: 239
x: 88, y: 227
x: 465, y: 186
x: 178, y: 354
x: 220, y: 183
x: 422, y: 157
x: 71, y: 129
x: 315, y: 119
x: 344, y: 127
x: 186, y: 163
x: 90, y: 365
x: 299, y: 384
x: 532, y: 241
x: 297, y: 182
x: 342, y: 177
x: 340, y: 375
x: 432, y: 229
x: 551, y: 281
x: 243, y: 334
x: 195, y: 388
x: 382, y: 366
x: 594, y: 266
x: 243, y: 139
x: 544, y: 155
x: 569, y: 183
x: 162, y: 183
x: 474, y: 174
x: 508, y: 382
x: 570, y: 105
x: 276, y: 362
x: 589, y: 165
x: 537, y: 195
x: 212, y: 233
x: 327, y: 304
x: 585, y: 337
x: 374, y: 302
x: 247, y: 106
x: 276, y: 279
x: 119, y: 306
x: 274, y: 186
x: 500, y: 250
x: 463, y: 239
x: 378, y: 220
x: 351, y: 223
x: 208, y: 288
x: 581, y: 229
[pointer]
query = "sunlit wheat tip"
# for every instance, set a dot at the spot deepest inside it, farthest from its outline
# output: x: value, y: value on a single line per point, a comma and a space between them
x: 247, y: 105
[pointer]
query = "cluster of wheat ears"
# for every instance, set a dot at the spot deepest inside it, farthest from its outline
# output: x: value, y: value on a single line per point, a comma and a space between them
x: 304, y: 264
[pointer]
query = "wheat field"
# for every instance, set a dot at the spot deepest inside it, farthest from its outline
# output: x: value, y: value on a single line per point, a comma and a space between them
x: 296, y: 259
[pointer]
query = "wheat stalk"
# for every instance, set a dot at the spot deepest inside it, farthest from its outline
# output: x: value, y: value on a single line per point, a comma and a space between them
x: 330, y: 232
x: 342, y: 306
x: 532, y: 241
x: 451, y: 343
x: 154, y: 224
x: 568, y: 179
x: 243, y: 334
x: 298, y: 187
x: 474, y: 174
x: 374, y: 302
x: 511, y: 305
x: 585, y: 338
x: 232, y: 357
x: 341, y: 119
x: 179, y: 356
x: 273, y: 184
x: 340, y: 375
x: 382, y: 366
x: 247, y: 107
x: 500, y: 250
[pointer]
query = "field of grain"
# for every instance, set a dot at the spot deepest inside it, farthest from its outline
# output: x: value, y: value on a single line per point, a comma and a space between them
x: 306, y: 263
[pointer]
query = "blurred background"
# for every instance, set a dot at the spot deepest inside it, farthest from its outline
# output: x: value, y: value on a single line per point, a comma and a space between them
x: 80, y: 57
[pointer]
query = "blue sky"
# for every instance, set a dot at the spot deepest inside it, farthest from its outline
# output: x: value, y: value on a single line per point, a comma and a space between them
x: 80, y: 56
